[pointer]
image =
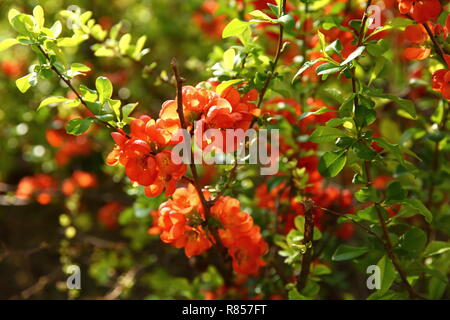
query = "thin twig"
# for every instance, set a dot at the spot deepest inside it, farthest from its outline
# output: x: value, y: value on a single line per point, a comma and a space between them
x: 275, y: 61
x: 437, y: 47
x: 195, y: 181
x: 71, y: 87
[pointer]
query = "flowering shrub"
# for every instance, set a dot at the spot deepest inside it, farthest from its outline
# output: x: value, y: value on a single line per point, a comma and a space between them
x: 354, y: 98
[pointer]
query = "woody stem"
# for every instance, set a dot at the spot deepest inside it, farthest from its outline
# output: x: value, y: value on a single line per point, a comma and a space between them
x: 195, y: 180
x: 307, y: 240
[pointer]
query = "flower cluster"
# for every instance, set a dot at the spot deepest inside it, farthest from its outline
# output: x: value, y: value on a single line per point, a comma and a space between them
x: 41, y: 186
x: 181, y: 222
x: 441, y: 82
x: 228, y: 109
x: 79, y: 179
x: 145, y: 157
x: 422, y: 10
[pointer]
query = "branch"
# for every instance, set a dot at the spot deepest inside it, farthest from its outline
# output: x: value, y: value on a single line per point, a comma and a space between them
x: 195, y: 181
x: 71, y: 87
x: 307, y: 240
x: 275, y: 61
x: 337, y: 214
x: 390, y: 251
x: 437, y: 47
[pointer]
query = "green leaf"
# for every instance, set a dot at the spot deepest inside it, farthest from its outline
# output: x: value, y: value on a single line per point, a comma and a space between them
x: 124, y: 43
x: 326, y: 134
x: 327, y: 68
x: 413, y: 240
x: 128, y: 109
x: 367, y: 194
x: 104, y: 88
x: 228, y: 59
x: 236, y: 27
x: 51, y: 100
x: 261, y: 15
x: 23, y: 84
x: 304, y: 115
x: 435, y: 248
x: 56, y: 29
x: 395, y: 192
x: 138, y: 48
x: 38, y: 14
x: 305, y: 66
x: 23, y: 23
x: 364, y: 116
x: 355, y: 54
x: 7, y: 43
x: 363, y: 151
x: 412, y: 207
x: 223, y: 85
x: 387, y: 274
x: 346, y: 252
x: 331, y: 163
x: 407, y: 106
x: 79, y: 67
x: 369, y: 214
x: 287, y: 21
x: 78, y: 126
x: 334, y: 48
x: 115, y: 31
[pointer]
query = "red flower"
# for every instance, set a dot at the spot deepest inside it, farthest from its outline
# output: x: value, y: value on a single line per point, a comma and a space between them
x: 420, y: 10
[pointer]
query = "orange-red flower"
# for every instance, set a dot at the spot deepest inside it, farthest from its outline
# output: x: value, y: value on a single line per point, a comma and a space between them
x: 143, y: 155
x: 441, y: 82
x: 420, y: 10
x: 180, y: 222
x: 41, y: 186
x: 109, y: 213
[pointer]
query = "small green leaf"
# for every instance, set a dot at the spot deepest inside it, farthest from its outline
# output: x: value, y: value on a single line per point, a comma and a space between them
x: 221, y: 87
x: 355, y: 54
x: 79, y: 67
x: 7, y: 43
x: 395, y: 192
x: 23, y: 84
x: 261, y: 15
x: 327, y: 68
x: 326, y: 134
x: 104, y: 88
x: 128, y: 109
x: 331, y: 163
x: 435, y: 248
x: 387, y: 273
x: 412, y: 207
x: 51, y: 100
x: 38, y: 14
x: 78, y: 126
x: 236, y: 27
x: 367, y: 194
x: 413, y: 240
x: 321, y: 110
x: 287, y: 21
x: 346, y: 252
x: 363, y: 151
x: 228, y: 59
x: 124, y: 43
